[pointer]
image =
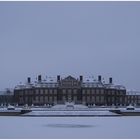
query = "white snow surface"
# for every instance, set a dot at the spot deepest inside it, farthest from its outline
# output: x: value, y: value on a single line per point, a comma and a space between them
x: 69, y: 127
x: 73, y: 113
x: 65, y: 106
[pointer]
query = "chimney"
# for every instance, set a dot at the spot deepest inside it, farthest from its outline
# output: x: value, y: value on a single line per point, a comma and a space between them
x: 99, y: 78
x: 28, y: 80
x: 110, y: 80
x: 39, y: 78
x: 58, y: 78
x: 81, y: 78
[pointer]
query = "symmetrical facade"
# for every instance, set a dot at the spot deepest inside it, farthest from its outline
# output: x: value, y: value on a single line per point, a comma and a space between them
x: 70, y: 89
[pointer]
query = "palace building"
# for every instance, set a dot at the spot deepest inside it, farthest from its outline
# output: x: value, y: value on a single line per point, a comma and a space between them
x: 61, y: 90
x: 69, y: 89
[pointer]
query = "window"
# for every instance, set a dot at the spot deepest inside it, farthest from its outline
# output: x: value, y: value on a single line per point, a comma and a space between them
x: 88, y: 91
x: 74, y: 91
x: 55, y: 91
x: 69, y: 91
x: 41, y: 91
x: 26, y: 92
x: 26, y: 99
x: 121, y: 99
x: 41, y: 98
x: 21, y: 99
x: 46, y: 99
x: 113, y: 100
x: 55, y: 98
x: 75, y: 98
x: 102, y: 98
x: 102, y: 91
x: 75, y: 83
x: 97, y: 99
x: 64, y: 91
x: 50, y: 91
x: 64, y: 98
x: 50, y: 98
x: 83, y: 98
x: 37, y: 99
x: 93, y: 99
x: 83, y: 91
x: 21, y: 92
x: 97, y: 91
x: 88, y: 98
x: 37, y: 91
x: 46, y: 91
x: 93, y: 91
x: 113, y: 92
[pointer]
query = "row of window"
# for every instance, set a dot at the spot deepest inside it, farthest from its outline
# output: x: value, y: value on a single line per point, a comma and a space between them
x: 71, y: 91
x: 38, y: 91
x: 101, y: 99
x: 94, y: 99
x: 38, y: 99
x: 69, y: 83
x: 133, y: 97
x: 93, y: 91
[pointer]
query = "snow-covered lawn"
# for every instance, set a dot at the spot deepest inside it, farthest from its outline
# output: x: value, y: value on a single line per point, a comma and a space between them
x: 71, y: 113
x: 69, y: 127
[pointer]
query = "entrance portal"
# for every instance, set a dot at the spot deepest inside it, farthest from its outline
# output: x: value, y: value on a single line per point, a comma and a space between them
x: 69, y: 99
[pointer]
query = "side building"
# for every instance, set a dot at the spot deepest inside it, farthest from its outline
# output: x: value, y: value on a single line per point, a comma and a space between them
x: 59, y: 90
x: 6, y: 97
x: 132, y: 97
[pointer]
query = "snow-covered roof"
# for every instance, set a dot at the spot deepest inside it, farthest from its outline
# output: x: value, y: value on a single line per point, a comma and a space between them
x: 93, y: 84
x: 88, y: 79
x: 87, y: 82
x: 120, y: 87
x: 6, y: 92
x: 112, y: 86
x: 50, y: 85
x: 69, y: 78
x: 23, y: 86
x: 50, y: 79
x: 37, y: 84
x: 133, y: 93
x: 2, y: 92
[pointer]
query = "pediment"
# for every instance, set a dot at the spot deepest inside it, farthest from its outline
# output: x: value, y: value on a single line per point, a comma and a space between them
x: 69, y: 78
x: 69, y: 81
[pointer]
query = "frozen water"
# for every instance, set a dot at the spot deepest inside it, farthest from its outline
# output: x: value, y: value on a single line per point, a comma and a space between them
x: 69, y: 127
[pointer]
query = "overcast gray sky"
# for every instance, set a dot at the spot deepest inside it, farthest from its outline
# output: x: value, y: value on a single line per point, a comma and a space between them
x: 70, y: 38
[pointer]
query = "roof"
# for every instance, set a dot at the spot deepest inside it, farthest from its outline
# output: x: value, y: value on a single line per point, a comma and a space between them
x: 51, y: 82
x: 2, y: 92
x: 69, y: 78
x: 89, y: 80
x: 6, y: 92
x: 133, y: 93
x: 112, y: 86
x: 93, y: 84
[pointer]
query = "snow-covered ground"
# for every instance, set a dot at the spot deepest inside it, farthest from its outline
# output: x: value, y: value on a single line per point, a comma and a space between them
x: 71, y: 113
x: 69, y: 127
